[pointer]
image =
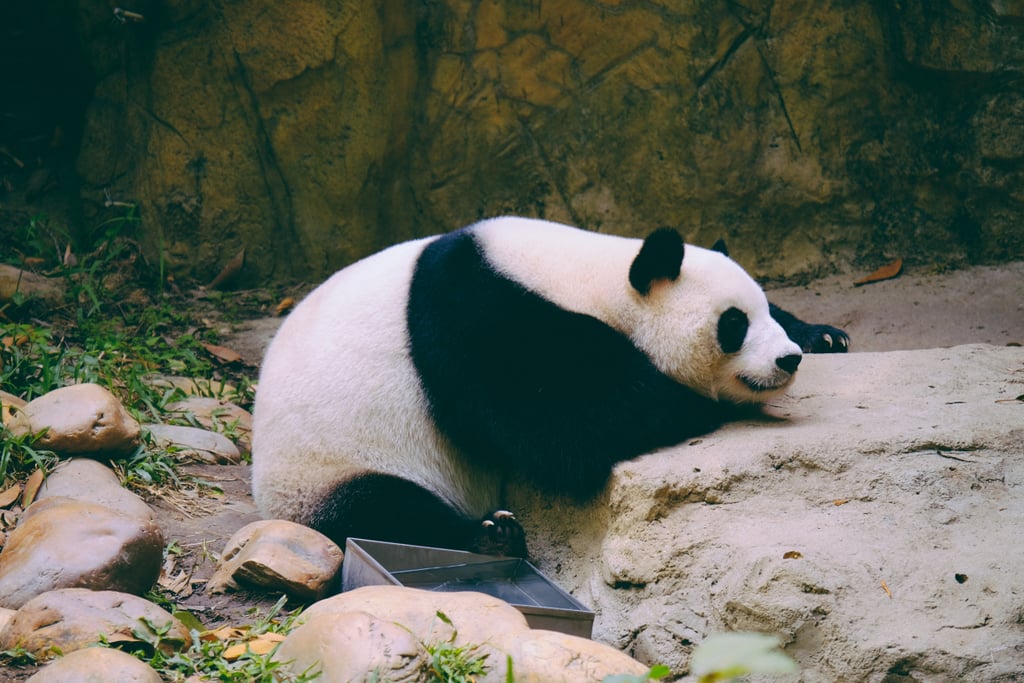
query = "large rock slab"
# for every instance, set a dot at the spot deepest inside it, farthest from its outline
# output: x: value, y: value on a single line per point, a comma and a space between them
x: 784, y: 126
x: 872, y: 518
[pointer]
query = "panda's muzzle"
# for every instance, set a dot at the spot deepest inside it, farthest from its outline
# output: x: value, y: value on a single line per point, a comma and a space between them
x: 787, y: 366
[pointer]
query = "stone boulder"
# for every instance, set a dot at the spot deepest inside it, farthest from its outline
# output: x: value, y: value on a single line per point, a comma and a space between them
x: 10, y: 400
x: 66, y: 543
x: 488, y: 626
x: 96, y: 665
x: 192, y: 444
x: 279, y: 555
x: 12, y: 414
x: 871, y: 519
x: 69, y: 619
x: 93, y: 482
x: 15, y: 282
x: 349, y: 646
x: 215, y: 414
x: 83, y: 419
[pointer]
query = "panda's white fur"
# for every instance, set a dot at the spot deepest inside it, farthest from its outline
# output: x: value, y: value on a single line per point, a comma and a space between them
x: 339, y: 394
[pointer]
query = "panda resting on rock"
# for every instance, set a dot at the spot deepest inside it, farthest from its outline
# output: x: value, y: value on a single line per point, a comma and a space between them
x: 399, y: 394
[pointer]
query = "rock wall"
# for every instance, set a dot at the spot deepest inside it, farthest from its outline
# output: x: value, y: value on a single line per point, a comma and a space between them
x: 811, y: 134
x: 871, y: 519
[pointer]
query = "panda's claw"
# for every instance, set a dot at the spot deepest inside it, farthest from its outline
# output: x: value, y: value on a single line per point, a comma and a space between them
x: 823, y: 339
x: 500, y: 534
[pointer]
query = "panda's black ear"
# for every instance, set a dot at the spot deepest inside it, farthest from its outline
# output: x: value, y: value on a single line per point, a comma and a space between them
x: 660, y: 258
x: 720, y: 247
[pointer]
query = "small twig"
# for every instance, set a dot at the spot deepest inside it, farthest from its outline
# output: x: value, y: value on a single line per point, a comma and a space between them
x: 953, y: 457
x: 7, y: 153
x: 124, y: 16
x: 110, y: 201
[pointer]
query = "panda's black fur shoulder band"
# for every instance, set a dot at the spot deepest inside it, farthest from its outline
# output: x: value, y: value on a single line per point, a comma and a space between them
x: 518, y: 383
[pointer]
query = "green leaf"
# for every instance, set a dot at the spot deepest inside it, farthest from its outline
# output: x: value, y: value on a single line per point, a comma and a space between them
x: 188, y: 620
x: 728, y: 655
x: 654, y: 673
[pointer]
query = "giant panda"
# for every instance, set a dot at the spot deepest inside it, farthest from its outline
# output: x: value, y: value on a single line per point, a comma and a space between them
x: 397, y: 398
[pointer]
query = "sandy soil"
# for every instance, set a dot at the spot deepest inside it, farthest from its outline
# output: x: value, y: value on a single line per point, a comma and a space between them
x: 917, y: 310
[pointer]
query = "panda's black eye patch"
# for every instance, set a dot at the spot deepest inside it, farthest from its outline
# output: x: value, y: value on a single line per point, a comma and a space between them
x: 732, y: 330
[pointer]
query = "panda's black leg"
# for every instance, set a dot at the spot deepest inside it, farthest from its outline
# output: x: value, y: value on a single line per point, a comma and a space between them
x: 388, y: 508
x: 811, y: 338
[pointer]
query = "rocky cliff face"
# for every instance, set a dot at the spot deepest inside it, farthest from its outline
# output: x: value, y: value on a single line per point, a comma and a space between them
x: 811, y: 134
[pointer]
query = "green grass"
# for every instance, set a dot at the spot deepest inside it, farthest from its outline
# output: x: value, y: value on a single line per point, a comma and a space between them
x: 450, y: 663
x: 118, y: 327
x: 230, y: 655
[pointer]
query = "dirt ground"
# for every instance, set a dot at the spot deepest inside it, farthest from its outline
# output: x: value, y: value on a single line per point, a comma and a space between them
x: 917, y: 310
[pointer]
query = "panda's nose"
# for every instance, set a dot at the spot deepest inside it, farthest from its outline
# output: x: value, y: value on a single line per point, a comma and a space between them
x: 789, y: 363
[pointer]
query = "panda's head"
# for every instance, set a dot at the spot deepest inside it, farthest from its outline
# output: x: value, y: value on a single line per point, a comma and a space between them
x: 703, y: 321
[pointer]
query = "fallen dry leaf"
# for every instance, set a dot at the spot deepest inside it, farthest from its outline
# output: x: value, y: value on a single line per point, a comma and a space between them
x: 284, y: 305
x: 886, y: 589
x: 886, y: 272
x: 260, y: 645
x: 222, y: 353
x: 223, y: 634
x: 265, y: 642
x: 179, y: 584
x: 793, y: 555
x: 230, y: 270
x: 10, y: 496
x: 10, y: 342
x: 122, y: 635
x: 32, y: 484
x: 840, y: 501
x: 233, y: 652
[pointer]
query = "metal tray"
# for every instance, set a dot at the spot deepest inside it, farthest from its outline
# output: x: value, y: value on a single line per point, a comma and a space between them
x: 516, y: 581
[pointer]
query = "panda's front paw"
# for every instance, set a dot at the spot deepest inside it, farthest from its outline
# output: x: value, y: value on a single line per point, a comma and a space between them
x: 824, y: 339
x: 500, y: 534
